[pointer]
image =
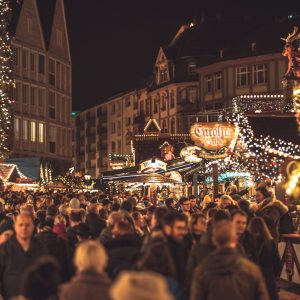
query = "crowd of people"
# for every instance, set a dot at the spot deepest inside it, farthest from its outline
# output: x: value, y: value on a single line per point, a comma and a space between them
x: 61, y: 245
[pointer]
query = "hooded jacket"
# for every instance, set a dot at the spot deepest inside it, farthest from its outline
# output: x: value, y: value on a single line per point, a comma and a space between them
x: 226, y: 275
x: 272, y: 211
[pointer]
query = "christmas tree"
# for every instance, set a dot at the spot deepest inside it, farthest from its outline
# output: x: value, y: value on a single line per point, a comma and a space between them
x: 6, y: 81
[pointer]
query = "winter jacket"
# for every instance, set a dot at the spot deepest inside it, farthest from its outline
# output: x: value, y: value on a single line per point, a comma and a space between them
x: 248, y: 242
x: 270, y: 264
x: 13, y: 261
x: 95, y: 223
x: 86, y: 285
x: 59, y: 249
x: 272, y: 211
x: 224, y: 275
x: 122, y: 252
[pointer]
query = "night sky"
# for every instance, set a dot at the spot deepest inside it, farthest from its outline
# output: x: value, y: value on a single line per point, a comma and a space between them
x: 114, y: 43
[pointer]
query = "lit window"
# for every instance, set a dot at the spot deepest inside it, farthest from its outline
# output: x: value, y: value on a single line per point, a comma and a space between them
x: 242, y: 76
x: 260, y: 74
x: 41, y: 132
x: 17, y: 128
x: 25, y: 130
x: 208, y: 84
x: 33, y: 131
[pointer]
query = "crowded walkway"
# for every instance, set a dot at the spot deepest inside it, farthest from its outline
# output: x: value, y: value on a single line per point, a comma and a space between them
x: 75, y: 245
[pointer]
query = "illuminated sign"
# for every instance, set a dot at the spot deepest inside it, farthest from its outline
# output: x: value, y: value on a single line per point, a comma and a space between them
x: 117, y: 165
x: 212, y: 136
x: 229, y: 175
x: 191, y: 154
x: 153, y: 165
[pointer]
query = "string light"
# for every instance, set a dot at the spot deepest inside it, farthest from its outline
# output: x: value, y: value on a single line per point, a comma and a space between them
x: 6, y: 80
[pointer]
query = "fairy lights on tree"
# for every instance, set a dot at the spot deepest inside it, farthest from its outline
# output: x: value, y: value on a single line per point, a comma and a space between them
x: 6, y: 80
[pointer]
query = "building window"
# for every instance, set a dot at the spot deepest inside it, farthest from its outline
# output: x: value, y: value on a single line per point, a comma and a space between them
x: 41, y: 132
x: 25, y: 130
x: 208, y: 84
x: 113, y: 128
x: 41, y: 97
x: 17, y: 91
x: 142, y: 109
x: 32, y: 62
x: 172, y: 99
x: 33, y: 131
x: 51, y: 71
x: 127, y: 102
x: 119, y: 127
x: 113, y: 109
x: 119, y: 147
x: 16, y: 58
x: 148, y: 107
x: 113, y: 146
x: 164, y: 126
x: 260, y: 74
x: 128, y: 121
x: 24, y: 59
x: 182, y: 96
x: 163, y: 102
x: 16, y: 129
x: 163, y: 75
x: 135, y: 103
x: 218, y: 81
x: 41, y: 64
x: 29, y: 25
x: 242, y: 76
x: 59, y: 39
x: 172, y: 126
x: 156, y: 105
x: 25, y: 93
x: 32, y: 95
x: 52, y: 139
x: 192, y: 96
x: 51, y: 105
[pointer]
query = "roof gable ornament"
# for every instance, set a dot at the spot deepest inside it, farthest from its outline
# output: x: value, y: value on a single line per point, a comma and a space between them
x: 152, y: 127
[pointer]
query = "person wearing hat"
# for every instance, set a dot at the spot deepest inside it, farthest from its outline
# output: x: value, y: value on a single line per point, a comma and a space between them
x: 82, y: 232
x: 6, y: 229
x: 140, y: 285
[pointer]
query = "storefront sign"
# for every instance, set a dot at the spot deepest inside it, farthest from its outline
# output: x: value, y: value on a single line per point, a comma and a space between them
x: 153, y: 165
x: 117, y: 165
x: 212, y: 136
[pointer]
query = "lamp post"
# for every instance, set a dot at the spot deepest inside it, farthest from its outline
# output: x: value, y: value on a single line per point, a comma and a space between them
x: 87, y: 180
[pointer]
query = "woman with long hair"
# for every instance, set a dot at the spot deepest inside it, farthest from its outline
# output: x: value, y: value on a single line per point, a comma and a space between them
x: 267, y: 254
x: 157, y: 258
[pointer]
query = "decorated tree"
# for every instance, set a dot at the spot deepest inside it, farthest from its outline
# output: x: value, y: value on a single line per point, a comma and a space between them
x: 6, y: 81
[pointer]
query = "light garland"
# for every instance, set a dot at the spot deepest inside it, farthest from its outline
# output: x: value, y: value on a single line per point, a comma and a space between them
x: 12, y: 168
x: 6, y: 80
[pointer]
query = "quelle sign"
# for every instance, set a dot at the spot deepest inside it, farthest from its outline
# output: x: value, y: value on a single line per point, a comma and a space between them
x: 212, y: 136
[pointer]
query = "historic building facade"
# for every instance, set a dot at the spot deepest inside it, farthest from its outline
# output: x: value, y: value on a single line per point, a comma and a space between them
x: 42, y: 72
x: 196, y: 72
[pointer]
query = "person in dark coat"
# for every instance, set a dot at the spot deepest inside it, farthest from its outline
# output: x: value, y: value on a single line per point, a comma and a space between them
x: 175, y: 229
x: 123, y: 250
x: 75, y: 219
x: 225, y: 274
x: 17, y: 254
x: 58, y: 248
x: 95, y: 223
x: 270, y: 210
x: 41, y: 280
x: 90, y: 282
x: 267, y: 254
x: 245, y: 238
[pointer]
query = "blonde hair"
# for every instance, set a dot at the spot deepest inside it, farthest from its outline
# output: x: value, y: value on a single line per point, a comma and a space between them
x: 90, y: 255
x: 60, y: 219
x: 225, y: 197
